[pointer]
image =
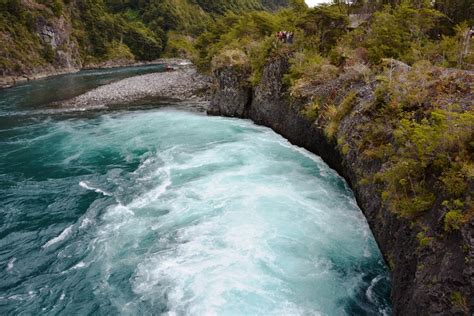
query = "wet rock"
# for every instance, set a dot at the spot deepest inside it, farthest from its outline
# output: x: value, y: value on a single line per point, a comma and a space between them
x: 232, y: 92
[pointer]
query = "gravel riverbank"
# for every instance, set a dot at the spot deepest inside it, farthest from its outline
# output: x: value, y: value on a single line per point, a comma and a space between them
x: 182, y: 84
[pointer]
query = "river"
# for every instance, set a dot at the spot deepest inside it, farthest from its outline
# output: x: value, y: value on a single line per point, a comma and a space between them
x: 155, y: 209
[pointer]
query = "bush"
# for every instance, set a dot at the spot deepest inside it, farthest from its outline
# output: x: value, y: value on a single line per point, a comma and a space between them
x: 117, y: 50
x: 230, y: 57
x: 325, y: 25
x: 311, y: 111
x: 336, y: 114
x: 400, y: 32
x: 423, y: 240
x: 57, y: 8
x: 180, y: 46
x: 459, y: 301
x: 48, y: 53
x: 452, y: 221
x: 308, y: 70
x: 142, y: 42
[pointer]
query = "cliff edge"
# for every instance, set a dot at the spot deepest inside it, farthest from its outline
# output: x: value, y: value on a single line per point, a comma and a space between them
x: 432, y: 263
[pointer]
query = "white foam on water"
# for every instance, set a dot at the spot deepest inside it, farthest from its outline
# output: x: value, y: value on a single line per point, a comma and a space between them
x: 86, y: 222
x: 222, y: 217
x: 153, y: 194
x: 79, y: 265
x: 11, y: 264
x: 87, y: 186
x: 64, y: 234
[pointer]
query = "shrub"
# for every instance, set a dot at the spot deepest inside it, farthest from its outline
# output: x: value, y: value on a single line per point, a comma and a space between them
x: 230, y: 57
x: 180, y: 46
x: 454, y: 182
x: 57, y: 7
x: 452, y: 221
x: 117, y: 50
x: 311, y: 111
x: 459, y: 301
x: 48, y: 53
x: 336, y: 114
x: 345, y: 149
x: 308, y: 70
x: 423, y: 240
x: 400, y: 32
x: 326, y: 24
x: 357, y: 72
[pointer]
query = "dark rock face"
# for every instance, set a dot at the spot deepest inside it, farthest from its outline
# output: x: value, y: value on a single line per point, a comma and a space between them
x: 232, y: 93
x: 56, y: 33
x: 423, y: 280
x: 55, y: 37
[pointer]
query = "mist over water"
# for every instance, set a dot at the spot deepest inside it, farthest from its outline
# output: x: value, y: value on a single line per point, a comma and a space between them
x: 164, y: 211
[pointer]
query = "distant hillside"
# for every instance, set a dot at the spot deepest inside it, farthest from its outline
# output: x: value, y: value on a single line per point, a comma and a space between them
x: 50, y: 35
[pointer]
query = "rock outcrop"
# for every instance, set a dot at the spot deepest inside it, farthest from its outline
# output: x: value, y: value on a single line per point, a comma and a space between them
x: 232, y: 94
x: 423, y: 280
x: 57, y: 52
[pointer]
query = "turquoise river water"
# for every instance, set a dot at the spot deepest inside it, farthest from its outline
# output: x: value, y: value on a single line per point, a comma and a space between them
x: 154, y: 209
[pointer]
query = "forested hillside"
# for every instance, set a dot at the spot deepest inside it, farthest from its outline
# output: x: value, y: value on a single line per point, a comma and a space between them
x: 44, y: 34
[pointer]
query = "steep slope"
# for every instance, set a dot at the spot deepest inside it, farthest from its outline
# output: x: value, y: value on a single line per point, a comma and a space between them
x: 389, y: 105
x: 430, y: 253
x: 53, y: 36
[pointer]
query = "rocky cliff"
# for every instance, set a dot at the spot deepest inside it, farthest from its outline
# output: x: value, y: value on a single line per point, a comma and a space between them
x: 437, y: 279
x: 41, y: 38
x: 48, y: 49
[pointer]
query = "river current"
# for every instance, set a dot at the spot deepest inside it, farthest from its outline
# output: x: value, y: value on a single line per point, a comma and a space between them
x: 156, y: 209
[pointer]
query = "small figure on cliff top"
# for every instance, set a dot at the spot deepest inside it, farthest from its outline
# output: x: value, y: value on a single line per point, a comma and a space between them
x: 284, y: 37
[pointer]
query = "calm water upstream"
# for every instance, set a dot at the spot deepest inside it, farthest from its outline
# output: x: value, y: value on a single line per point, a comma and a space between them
x: 154, y: 210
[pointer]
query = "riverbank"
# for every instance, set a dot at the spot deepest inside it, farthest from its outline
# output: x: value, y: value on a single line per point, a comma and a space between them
x: 9, y: 81
x: 180, y: 84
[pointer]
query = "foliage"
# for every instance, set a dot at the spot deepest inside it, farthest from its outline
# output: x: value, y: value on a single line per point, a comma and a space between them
x: 423, y: 240
x: 311, y: 111
x: 105, y: 29
x: 336, y: 114
x: 117, y: 50
x: 401, y: 33
x: 307, y: 70
x: 179, y: 45
x: 430, y: 141
x: 452, y: 221
x: 20, y: 46
x: 458, y: 11
x: 409, y: 32
x: 459, y: 301
x: 323, y: 26
x: 252, y: 33
x: 230, y: 57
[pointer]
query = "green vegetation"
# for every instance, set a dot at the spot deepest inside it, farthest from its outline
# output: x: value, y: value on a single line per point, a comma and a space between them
x: 311, y: 111
x: 252, y: 33
x: 423, y: 240
x: 180, y: 45
x: 420, y: 130
x: 459, y: 301
x: 336, y: 114
x: 104, y: 30
x: 430, y: 153
x: 19, y: 45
